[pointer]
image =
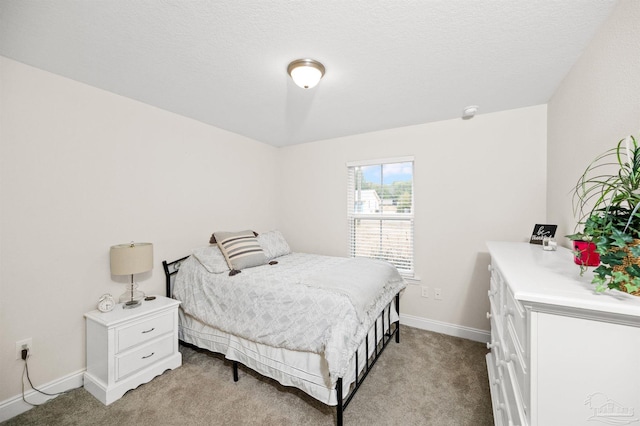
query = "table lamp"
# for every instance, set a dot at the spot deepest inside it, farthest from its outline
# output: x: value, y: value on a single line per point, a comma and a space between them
x: 130, y: 259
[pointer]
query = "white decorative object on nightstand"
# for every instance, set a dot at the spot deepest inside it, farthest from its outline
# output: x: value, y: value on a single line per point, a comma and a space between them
x: 129, y: 347
x: 561, y: 354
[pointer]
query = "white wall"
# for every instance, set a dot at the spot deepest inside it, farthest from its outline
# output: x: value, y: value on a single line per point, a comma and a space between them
x: 82, y: 169
x: 597, y: 104
x: 476, y: 180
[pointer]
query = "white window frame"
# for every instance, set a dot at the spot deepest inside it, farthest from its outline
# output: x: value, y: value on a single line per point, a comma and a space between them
x: 406, y: 270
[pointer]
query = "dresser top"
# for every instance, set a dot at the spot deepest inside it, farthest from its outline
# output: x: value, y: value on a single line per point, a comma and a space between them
x: 552, y: 278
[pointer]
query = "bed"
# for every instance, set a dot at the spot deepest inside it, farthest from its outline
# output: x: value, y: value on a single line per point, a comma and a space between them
x: 317, y: 323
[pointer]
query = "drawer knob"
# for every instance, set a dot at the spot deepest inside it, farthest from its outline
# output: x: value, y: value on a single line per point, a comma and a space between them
x: 508, y: 311
x: 489, y: 268
x: 489, y: 345
x: 488, y: 315
x: 148, y: 331
x: 148, y: 356
x: 510, y: 357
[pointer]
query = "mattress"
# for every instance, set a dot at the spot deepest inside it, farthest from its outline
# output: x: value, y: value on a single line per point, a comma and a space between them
x: 305, y: 303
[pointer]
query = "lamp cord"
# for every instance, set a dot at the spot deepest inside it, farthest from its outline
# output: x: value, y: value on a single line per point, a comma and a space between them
x: 25, y: 371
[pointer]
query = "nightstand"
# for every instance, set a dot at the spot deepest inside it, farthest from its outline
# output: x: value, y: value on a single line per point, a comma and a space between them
x: 129, y: 347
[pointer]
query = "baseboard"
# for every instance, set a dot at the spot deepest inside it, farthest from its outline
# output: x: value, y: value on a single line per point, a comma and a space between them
x: 13, y: 406
x: 446, y: 328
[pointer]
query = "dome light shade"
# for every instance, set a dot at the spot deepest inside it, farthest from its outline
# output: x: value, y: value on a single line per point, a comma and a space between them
x: 306, y: 73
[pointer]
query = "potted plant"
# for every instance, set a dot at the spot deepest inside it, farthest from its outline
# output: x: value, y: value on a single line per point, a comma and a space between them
x: 606, y: 200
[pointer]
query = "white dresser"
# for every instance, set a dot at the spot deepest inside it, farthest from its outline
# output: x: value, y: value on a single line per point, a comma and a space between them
x: 129, y: 347
x: 561, y: 354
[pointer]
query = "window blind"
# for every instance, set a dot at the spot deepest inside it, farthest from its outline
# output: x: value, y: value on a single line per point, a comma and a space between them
x: 380, y: 211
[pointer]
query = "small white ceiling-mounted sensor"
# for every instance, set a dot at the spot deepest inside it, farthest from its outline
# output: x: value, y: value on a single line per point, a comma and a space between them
x: 469, y: 112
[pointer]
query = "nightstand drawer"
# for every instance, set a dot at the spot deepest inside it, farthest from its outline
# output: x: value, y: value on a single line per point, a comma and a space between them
x: 143, y: 356
x: 143, y: 331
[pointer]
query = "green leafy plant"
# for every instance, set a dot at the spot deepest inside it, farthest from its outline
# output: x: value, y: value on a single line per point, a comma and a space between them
x: 606, y: 202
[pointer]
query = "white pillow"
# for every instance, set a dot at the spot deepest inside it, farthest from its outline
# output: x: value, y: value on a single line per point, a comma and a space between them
x: 273, y: 244
x: 211, y: 258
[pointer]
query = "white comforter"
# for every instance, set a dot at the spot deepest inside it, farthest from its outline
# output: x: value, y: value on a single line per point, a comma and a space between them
x: 306, y: 302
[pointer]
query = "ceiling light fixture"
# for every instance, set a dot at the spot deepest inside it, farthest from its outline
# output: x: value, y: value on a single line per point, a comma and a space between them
x: 306, y: 73
x: 469, y: 112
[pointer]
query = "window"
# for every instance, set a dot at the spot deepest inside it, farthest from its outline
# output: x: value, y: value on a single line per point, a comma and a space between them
x: 380, y: 211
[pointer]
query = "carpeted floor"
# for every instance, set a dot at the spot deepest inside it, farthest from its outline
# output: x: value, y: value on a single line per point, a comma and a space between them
x: 427, y: 379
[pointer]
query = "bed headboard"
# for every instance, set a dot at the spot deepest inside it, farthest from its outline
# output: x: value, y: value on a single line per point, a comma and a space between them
x: 170, y: 269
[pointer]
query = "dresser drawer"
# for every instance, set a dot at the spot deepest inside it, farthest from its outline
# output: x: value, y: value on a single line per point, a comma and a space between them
x: 496, y: 323
x: 497, y: 395
x: 516, y: 317
x: 502, y: 411
x: 520, y: 367
x: 143, y: 331
x: 515, y: 410
x: 144, y: 356
x: 496, y: 289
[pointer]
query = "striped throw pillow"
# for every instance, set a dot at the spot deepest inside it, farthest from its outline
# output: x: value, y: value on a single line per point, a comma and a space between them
x: 240, y: 249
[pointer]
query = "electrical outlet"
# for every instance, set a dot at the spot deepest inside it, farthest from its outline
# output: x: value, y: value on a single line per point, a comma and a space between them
x: 437, y: 293
x: 21, y: 344
x: 425, y: 291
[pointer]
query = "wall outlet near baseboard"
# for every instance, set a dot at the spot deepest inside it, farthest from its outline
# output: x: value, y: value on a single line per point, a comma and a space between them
x: 22, y: 344
x: 437, y: 293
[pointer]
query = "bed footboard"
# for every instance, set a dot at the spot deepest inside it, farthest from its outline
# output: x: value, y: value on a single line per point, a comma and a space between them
x: 369, y: 362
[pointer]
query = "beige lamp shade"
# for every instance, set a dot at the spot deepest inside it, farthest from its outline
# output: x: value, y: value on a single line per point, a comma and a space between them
x: 132, y: 258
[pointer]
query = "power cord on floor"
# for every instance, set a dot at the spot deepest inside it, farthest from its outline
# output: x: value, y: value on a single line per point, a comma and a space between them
x: 25, y: 371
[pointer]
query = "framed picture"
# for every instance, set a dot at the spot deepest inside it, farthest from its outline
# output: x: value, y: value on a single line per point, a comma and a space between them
x: 540, y: 231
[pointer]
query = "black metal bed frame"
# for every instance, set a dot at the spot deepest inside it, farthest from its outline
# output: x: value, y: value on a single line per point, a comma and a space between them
x: 172, y: 268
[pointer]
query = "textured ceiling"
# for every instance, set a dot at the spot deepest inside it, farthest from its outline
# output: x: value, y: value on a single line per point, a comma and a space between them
x: 388, y: 63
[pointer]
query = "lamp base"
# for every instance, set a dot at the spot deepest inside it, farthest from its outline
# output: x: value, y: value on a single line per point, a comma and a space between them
x: 132, y: 298
x: 132, y: 304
